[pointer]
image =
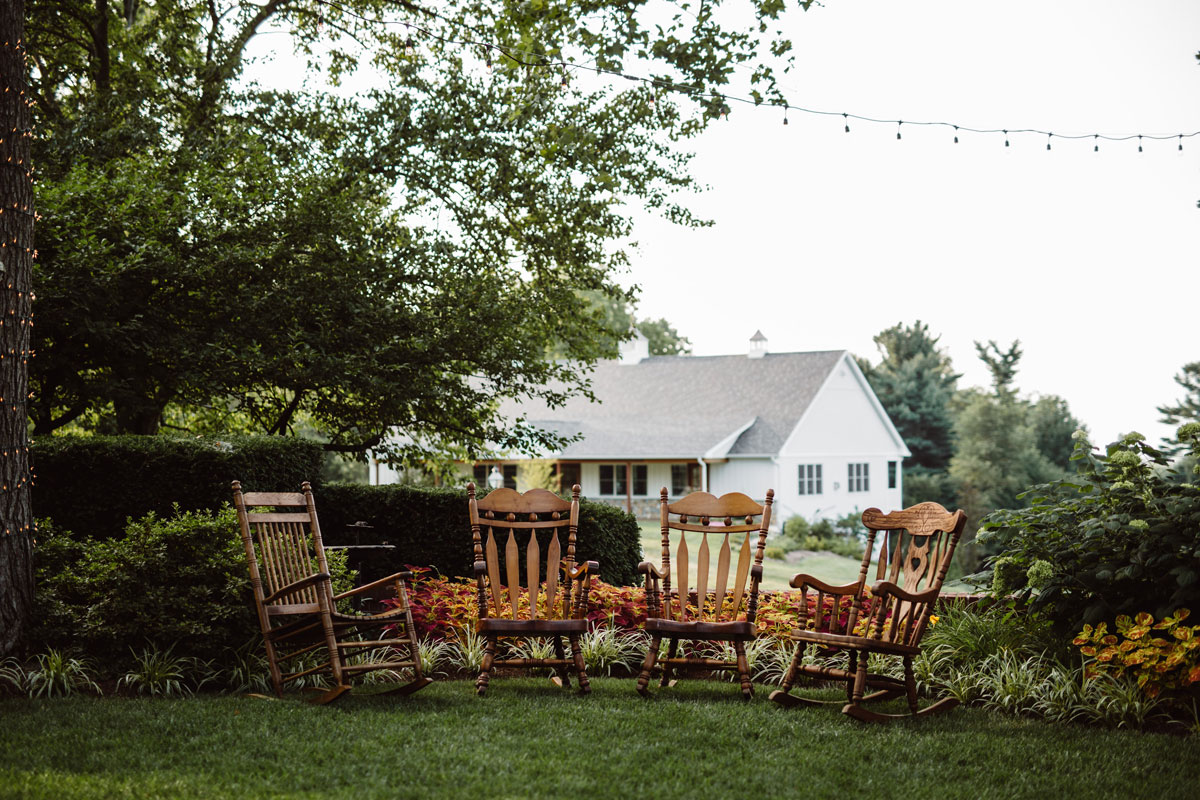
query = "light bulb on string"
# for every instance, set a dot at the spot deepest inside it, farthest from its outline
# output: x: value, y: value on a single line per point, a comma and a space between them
x: 1181, y: 142
x: 410, y: 49
x: 785, y: 119
x: 1139, y: 143
x: 1049, y: 136
x: 1096, y: 138
x: 956, y: 134
x: 1006, y: 138
x: 846, y: 120
x: 898, y: 124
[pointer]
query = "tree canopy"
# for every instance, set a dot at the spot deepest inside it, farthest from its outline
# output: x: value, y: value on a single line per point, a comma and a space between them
x: 915, y: 382
x: 1005, y: 444
x: 663, y: 339
x: 1187, y: 408
x: 401, y: 259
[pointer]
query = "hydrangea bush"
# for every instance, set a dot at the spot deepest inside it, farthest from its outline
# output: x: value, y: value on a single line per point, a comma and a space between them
x: 1120, y: 537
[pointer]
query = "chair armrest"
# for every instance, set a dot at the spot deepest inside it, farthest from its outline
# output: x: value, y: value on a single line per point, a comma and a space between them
x: 480, y: 568
x: 296, y: 586
x: 648, y: 568
x: 880, y: 588
x: 802, y: 580
x: 586, y: 568
x: 399, y: 576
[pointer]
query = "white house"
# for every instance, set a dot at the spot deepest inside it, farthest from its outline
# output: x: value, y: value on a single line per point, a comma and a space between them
x: 804, y: 424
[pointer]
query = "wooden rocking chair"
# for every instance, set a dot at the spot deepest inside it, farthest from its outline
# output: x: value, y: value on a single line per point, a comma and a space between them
x: 913, y: 557
x: 297, y: 609
x: 699, y: 615
x: 552, y: 609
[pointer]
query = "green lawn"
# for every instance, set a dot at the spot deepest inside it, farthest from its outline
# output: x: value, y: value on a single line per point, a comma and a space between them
x: 776, y: 573
x: 528, y: 739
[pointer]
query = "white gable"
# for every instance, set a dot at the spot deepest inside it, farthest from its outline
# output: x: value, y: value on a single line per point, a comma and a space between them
x: 846, y: 418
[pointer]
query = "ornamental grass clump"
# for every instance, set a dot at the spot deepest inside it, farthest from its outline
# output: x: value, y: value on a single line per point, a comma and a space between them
x: 161, y: 673
x: 55, y: 674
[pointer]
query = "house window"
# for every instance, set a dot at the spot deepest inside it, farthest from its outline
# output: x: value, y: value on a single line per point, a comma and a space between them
x: 810, y: 479
x: 481, y: 473
x: 568, y: 476
x: 679, y: 479
x: 612, y: 479
x: 892, y: 465
x: 858, y: 478
x: 510, y: 476
x: 685, y: 478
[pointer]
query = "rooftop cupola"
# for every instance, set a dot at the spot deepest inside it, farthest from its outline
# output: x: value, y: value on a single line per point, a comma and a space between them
x: 758, y: 345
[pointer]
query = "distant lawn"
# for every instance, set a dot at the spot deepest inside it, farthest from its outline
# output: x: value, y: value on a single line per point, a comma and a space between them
x: 776, y: 573
x: 528, y: 739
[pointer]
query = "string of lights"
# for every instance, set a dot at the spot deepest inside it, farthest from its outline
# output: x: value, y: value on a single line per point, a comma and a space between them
x: 530, y: 59
x: 15, y: 302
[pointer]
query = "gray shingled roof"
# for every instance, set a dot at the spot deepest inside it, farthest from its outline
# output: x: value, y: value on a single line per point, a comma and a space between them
x: 682, y: 406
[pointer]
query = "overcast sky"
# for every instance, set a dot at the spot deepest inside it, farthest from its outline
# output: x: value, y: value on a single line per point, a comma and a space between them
x: 823, y: 238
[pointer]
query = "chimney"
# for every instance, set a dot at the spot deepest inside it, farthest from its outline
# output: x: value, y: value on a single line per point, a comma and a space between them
x: 635, y: 349
x: 758, y: 345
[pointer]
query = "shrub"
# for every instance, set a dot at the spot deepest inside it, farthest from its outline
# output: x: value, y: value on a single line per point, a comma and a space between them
x: 430, y: 527
x: 843, y: 536
x: 92, y: 485
x: 1121, y: 537
x: 1169, y: 661
x: 179, y: 582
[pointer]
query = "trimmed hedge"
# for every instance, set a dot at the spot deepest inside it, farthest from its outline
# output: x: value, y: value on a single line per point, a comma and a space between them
x: 91, y: 485
x: 430, y: 527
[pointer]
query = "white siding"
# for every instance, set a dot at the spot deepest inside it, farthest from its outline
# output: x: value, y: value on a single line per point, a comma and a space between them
x: 843, y: 426
x: 750, y: 476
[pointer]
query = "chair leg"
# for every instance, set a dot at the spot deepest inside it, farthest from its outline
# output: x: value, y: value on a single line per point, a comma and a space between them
x: 743, y: 665
x: 643, y: 680
x: 672, y: 649
x: 781, y: 695
x: 860, y: 681
x: 563, y: 678
x: 489, y: 654
x: 585, y: 687
x: 910, y: 684
x: 273, y: 664
x: 853, y: 670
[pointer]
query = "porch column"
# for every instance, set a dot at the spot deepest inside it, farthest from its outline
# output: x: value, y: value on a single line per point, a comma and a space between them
x: 629, y: 487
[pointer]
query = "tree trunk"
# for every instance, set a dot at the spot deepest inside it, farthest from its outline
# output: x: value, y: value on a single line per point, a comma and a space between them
x: 16, y: 277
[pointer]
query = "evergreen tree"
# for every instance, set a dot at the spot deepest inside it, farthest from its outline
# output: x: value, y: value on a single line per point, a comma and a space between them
x: 915, y: 381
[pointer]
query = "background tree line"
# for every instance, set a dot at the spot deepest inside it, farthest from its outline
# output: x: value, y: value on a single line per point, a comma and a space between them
x: 978, y: 449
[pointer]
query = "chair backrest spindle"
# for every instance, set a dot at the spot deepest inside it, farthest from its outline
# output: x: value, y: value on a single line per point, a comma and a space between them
x: 523, y: 517
x: 915, y: 555
x: 282, y: 546
x: 713, y: 519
